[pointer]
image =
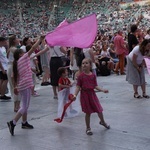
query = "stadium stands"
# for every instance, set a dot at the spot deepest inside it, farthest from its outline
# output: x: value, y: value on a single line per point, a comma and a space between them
x: 25, y: 17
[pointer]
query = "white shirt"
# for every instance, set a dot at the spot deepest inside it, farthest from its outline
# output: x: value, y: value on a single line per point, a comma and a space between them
x: 55, y: 51
x: 3, y: 58
x: 105, y: 53
x: 137, y: 52
x: 23, y: 47
x: 32, y: 58
x: 147, y: 36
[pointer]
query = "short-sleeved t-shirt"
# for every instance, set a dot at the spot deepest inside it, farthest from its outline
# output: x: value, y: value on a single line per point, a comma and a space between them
x: 132, y: 40
x: 24, y: 73
x: 3, y: 58
x: 63, y: 81
x: 137, y: 52
x: 118, y: 42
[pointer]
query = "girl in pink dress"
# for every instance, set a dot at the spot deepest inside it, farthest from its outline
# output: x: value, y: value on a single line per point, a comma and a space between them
x: 86, y: 83
x: 22, y: 77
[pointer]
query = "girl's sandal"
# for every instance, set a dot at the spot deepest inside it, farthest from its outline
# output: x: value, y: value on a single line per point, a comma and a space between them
x: 105, y: 125
x: 89, y: 132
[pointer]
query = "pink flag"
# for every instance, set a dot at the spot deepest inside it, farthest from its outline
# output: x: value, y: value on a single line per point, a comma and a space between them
x: 80, y: 33
x: 63, y: 23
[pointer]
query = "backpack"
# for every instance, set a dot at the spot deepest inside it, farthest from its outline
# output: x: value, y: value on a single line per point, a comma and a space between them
x: 104, y: 71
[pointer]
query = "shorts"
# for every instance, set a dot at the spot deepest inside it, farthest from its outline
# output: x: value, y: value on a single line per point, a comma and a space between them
x: 3, y: 76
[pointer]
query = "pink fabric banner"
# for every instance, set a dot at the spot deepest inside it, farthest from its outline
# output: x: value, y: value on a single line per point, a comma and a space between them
x: 80, y: 33
x: 62, y: 24
x: 147, y: 61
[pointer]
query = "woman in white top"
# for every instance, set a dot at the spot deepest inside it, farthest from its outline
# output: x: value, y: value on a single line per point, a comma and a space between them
x: 135, y: 67
x: 106, y: 57
x: 13, y: 43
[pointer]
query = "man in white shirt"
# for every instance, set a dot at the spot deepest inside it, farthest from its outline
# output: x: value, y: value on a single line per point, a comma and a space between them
x: 3, y: 68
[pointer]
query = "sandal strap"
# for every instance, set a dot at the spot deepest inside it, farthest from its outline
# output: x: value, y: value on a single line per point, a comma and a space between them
x: 105, y: 125
x: 89, y: 132
x: 136, y: 95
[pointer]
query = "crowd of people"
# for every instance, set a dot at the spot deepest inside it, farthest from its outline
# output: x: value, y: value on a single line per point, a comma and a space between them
x: 26, y: 18
x: 117, y: 49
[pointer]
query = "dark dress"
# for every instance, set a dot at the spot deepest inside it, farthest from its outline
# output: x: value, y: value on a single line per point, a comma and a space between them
x: 55, y: 63
x: 89, y: 100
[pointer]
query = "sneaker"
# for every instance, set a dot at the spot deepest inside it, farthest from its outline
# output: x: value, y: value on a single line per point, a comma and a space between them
x: 5, y: 97
x: 11, y: 127
x: 27, y: 126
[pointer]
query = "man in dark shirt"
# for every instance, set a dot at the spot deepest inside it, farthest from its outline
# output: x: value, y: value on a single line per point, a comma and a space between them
x: 132, y: 39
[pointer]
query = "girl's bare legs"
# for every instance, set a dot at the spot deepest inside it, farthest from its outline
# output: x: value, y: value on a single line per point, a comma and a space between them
x: 87, y: 120
x: 102, y: 121
x: 100, y: 115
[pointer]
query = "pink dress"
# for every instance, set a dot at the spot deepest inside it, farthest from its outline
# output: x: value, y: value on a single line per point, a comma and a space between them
x: 89, y: 100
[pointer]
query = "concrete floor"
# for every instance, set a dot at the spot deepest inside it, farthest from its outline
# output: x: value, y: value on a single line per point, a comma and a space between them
x: 129, y: 119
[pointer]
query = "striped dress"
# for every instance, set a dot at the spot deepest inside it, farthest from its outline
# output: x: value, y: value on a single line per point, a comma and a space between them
x: 24, y: 73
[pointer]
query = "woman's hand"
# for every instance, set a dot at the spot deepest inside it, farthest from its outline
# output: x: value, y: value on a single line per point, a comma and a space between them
x: 42, y: 37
